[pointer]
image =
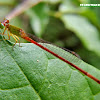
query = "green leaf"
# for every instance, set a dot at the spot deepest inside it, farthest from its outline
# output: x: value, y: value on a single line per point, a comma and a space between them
x: 87, y: 32
x: 97, y: 9
x: 30, y: 73
x: 7, y: 2
x: 52, y: 1
x: 70, y: 6
x: 73, y: 7
x: 39, y: 18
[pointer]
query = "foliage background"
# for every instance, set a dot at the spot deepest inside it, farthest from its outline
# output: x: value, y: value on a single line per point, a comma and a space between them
x: 62, y: 22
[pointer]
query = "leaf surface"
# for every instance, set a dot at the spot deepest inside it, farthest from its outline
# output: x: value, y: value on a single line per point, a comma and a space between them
x: 30, y: 73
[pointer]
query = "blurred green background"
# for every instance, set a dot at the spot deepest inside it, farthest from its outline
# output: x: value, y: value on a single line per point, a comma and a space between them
x: 62, y: 22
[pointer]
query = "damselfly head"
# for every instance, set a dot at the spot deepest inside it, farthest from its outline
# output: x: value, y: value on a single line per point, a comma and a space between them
x: 4, y: 23
x: 1, y: 26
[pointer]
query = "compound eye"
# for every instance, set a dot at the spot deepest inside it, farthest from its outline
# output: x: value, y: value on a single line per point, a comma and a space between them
x: 1, y: 26
x: 7, y: 21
